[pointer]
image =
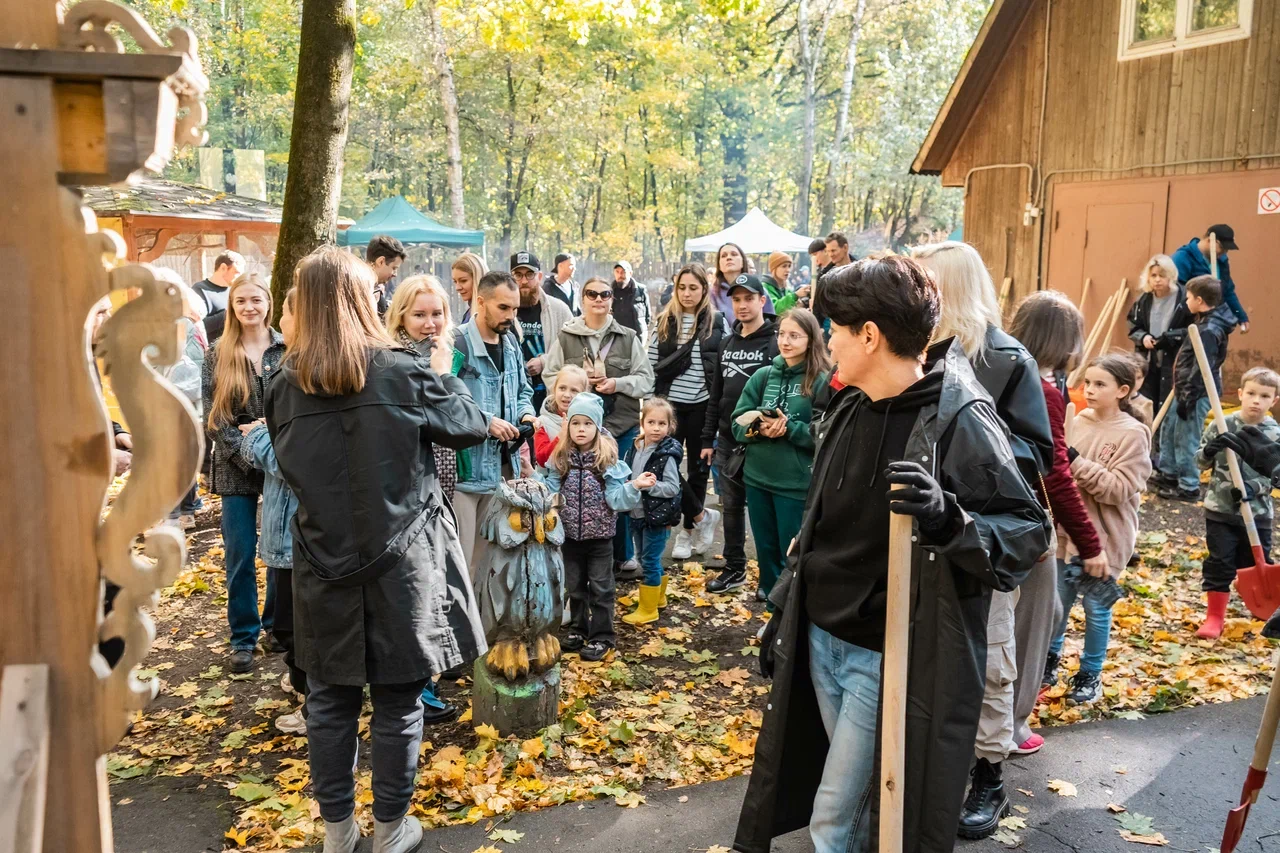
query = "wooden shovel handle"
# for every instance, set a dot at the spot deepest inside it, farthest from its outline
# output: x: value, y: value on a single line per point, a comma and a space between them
x: 893, y: 685
x: 1220, y: 420
x: 1213, y: 254
x: 1270, y: 722
x: 1164, y: 410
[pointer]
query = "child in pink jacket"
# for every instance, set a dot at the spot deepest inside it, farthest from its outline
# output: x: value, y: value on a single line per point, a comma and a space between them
x: 1111, y: 460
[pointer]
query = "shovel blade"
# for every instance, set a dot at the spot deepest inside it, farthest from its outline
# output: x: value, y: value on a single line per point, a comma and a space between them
x: 1235, y: 827
x: 1259, y: 587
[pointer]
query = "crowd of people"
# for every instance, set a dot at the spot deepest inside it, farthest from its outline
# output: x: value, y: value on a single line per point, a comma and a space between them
x: 375, y: 429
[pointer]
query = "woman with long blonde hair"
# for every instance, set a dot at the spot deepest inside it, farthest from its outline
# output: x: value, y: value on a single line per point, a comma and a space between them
x: 684, y: 353
x: 466, y: 273
x: 234, y: 378
x: 1158, y: 322
x: 971, y: 314
x: 382, y: 595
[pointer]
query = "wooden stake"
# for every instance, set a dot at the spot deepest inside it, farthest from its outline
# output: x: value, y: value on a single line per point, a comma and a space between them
x: 1004, y: 295
x: 1213, y: 254
x: 1074, y: 378
x: 1164, y: 410
x: 1084, y: 292
x: 893, y: 686
x: 1122, y: 299
x: 1111, y: 312
x: 24, y: 756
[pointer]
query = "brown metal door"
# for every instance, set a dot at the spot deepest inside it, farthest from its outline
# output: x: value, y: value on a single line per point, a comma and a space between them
x: 1198, y: 201
x: 1105, y: 232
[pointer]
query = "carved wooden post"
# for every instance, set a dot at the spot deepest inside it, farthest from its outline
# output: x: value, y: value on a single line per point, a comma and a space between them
x: 68, y: 115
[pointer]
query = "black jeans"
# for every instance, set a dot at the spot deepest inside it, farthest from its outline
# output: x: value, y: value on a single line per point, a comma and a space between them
x: 689, y: 420
x: 588, y: 576
x: 733, y: 501
x: 1229, y: 550
x: 282, y: 629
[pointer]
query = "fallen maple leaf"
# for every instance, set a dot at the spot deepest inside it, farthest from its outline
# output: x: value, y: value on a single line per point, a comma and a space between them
x: 487, y: 731
x: 508, y: 836
x: 730, y: 677
x: 1116, y: 808
x: 1013, y: 822
x: 1157, y: 840
x: 1063, y: 788
x: 716, y: 848
x: 488, y: 848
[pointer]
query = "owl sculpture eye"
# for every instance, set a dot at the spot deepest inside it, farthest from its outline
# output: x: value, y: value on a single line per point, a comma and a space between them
x: 515, y: 518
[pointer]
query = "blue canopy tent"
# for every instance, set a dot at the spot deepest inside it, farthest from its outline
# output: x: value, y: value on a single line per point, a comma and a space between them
x: 397, y: 218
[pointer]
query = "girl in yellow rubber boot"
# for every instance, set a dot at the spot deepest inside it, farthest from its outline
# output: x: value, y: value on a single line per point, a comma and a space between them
x: 655, y: 457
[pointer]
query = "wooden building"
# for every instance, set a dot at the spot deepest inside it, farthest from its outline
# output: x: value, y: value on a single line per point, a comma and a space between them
x: 1090, y: 135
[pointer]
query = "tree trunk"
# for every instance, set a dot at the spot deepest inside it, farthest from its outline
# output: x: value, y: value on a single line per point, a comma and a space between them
x: 319, y: 135
x: 842, y: 119
x: 808, y: 64
x: 449, y: 103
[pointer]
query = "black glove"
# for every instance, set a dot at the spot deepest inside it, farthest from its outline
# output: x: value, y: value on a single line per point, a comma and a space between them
x: 1183, y: 409
x: 768, y: 642
x: 922, y: 497
x: 1251, y: 445
x: 1072, y: 453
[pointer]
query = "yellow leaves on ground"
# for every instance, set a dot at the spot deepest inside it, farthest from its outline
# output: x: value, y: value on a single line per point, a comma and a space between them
x: 1155, y: 662
x: 1064, y: 788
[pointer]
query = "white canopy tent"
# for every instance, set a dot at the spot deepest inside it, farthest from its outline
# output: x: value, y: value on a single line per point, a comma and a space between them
x: 755, y: 233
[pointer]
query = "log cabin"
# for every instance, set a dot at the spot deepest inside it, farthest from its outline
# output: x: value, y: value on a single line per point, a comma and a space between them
x: 1089, y: 135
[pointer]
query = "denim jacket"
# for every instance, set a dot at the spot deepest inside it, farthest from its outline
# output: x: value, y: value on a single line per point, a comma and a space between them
x: 488, y: 389
x: 279, y: 504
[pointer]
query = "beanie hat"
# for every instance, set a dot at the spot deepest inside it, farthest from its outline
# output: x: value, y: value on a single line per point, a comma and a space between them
x: 588, y: 405
x: 777, y: 259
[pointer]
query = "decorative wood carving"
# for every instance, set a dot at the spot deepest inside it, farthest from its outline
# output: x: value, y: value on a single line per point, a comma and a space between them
x: 167, y: 446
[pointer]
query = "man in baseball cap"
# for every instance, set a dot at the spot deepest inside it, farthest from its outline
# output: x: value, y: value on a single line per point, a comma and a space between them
x: 1193, y: 260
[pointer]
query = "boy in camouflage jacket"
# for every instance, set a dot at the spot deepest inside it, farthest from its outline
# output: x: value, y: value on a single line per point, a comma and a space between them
x: 1224, y: 528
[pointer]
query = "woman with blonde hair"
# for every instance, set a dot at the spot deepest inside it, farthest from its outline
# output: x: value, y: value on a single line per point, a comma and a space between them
x: 234, y: 379
x: 1158, y: 323
x: 382, y: 595
x: 467, y: 271
x: 971, y: 314
x: 685, y: 352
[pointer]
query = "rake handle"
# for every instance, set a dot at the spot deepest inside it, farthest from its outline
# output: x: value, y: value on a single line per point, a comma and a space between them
x: 1220, y: 420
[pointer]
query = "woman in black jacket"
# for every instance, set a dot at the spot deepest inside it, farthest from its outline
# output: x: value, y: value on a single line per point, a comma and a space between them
x: 382, y: 594
x: 1006, y: 371
x: 1158, y: 322
x: 684, y: 352
x: 235, y: 376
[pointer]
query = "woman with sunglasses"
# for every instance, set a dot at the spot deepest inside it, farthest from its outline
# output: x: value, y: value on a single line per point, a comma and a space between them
x: 618, y: 369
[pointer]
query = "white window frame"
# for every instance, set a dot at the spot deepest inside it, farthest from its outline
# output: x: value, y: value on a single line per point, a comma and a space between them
x: 1183, y: 38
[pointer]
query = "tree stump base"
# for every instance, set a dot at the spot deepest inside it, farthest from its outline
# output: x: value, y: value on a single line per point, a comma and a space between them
x: 524, y: 707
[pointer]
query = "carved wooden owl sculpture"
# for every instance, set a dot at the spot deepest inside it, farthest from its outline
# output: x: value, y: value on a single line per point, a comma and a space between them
x: 521, y: 590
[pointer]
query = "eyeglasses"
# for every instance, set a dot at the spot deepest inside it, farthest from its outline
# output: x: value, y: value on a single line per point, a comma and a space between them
x: 793, y: 337
x: 524, y: 275
x: 602, y: 295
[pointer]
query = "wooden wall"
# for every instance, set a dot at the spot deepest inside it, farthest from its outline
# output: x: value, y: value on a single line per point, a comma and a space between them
x: 1107, y: 116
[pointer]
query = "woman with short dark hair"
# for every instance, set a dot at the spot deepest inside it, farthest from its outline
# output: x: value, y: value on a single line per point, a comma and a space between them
x: 382, y: 594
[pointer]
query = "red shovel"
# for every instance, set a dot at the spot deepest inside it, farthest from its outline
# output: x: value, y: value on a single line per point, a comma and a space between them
x: 1258, y: 587
x: 1259, y: 584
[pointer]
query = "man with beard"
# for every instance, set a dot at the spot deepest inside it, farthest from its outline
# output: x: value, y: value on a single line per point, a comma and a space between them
x: 540, y: 320
x: 630, y: 302
x: 493, y: 371
x: 919, y: 419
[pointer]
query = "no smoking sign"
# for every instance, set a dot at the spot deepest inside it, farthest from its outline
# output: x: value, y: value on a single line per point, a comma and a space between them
x: 1269, y: 200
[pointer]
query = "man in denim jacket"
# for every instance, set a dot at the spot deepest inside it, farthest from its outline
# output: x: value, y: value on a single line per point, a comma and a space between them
x: 494, y: 374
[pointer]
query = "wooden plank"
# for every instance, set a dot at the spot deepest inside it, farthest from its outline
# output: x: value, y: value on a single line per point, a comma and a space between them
x: 893, y: 687
x: 82, y: 137
x: 24, y: 756
x: 89, y: 66
x: 60, y: 462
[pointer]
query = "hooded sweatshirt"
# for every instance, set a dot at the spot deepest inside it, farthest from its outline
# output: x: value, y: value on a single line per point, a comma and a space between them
x: 784, y: 465
x: 1112, y: 467
x: 1191, y: 262
x: 740, y: 357
x: 846, y: 580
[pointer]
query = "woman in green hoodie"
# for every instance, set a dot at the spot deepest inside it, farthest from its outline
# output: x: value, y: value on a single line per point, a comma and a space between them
x: 772, y: 421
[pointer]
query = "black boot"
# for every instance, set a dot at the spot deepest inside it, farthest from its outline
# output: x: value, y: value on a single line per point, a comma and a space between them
x: 986, y: 803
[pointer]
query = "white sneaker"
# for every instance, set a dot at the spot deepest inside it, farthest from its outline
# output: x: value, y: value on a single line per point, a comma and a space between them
x: 683, y: 548
x: 292, y: 724
x: 705, y: 531
x: 286, y: 684
x: 187, y: 521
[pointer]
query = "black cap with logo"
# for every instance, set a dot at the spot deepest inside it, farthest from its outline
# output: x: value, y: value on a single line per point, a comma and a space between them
x: 748, y: 282
x: 1226, y: 236
x: 528, y: 260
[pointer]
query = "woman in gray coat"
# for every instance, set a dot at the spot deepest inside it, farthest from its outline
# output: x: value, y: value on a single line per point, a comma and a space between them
x: 382, y: 595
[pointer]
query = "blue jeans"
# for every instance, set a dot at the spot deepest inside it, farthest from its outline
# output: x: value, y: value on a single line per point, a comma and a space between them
x: 240, y: 541
x: 1179, y: 441
x: 622, y: 546
x: 650, y: 542
x: 1097, y: 620
x: 846, y: 679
